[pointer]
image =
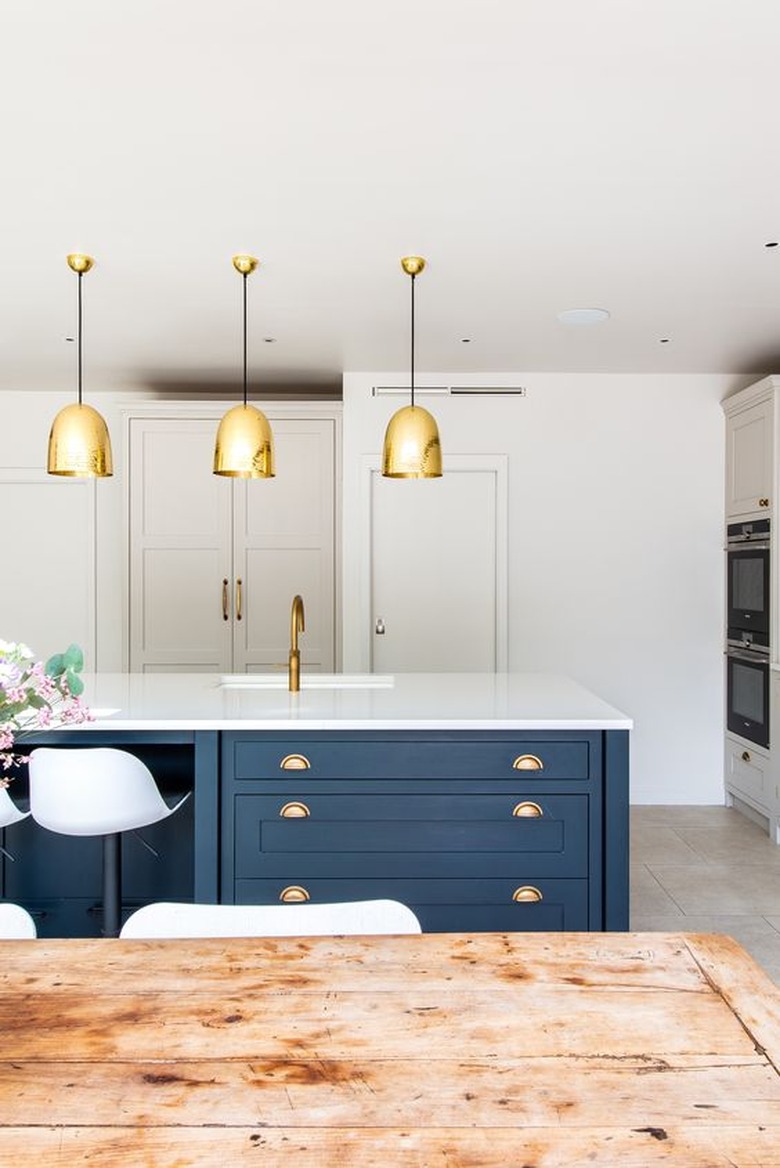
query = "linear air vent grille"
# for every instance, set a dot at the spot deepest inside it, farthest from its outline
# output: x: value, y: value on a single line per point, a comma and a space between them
x: 449, y: 390
x: 419, y: 390
x: 503, y: 390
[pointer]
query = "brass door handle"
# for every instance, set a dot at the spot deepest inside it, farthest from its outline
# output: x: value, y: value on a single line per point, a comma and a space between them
x: 295, y: 811
x: 294, y: 894
x: 763, y: 502
x: 746, y: 756
x: 225, y: 599
x: 295, y: 762
x: 527, y: 894
x: 238, y: 598
x: 528, y: 810
x: 528, y: 762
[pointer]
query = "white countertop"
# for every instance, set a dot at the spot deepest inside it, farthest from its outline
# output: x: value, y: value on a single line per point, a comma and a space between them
x: 406, y: 701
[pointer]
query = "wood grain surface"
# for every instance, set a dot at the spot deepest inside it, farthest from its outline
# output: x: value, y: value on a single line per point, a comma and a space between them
x: 465, y: 1049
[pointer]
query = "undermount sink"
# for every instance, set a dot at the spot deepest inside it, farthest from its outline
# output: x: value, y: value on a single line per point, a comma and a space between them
x: 308, y: 681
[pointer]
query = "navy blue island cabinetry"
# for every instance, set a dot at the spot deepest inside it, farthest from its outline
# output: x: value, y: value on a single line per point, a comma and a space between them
x: 475, y: 831
x: 485, y: 802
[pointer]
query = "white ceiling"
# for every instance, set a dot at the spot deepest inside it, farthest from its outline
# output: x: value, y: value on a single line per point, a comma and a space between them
x: 541, y: 154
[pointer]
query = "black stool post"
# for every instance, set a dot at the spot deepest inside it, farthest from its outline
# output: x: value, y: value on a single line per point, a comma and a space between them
x: 112, y: 884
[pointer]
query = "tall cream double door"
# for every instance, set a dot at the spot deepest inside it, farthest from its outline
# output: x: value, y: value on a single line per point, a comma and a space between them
x: 215, y: 562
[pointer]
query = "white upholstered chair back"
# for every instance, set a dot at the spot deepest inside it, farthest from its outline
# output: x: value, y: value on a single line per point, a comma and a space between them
x: 354, y: 918
x: 16, y: 924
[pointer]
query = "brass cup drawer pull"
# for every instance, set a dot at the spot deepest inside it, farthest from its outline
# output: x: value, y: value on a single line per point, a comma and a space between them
x: 295, y: 810
x: 295, y: 762
x: 528, y: 762
x: 527, y: 894
x: 294, y: 894
x: 527, y: 810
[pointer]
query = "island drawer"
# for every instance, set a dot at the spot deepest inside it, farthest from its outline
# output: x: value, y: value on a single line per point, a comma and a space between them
x: 423, y: 835
x: 522, y: 904
x: 412, y: 757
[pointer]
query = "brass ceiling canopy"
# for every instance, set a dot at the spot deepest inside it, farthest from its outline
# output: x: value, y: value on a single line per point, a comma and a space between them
x: 244, y: 446
x: 79, y: 442
x: 412, y: 449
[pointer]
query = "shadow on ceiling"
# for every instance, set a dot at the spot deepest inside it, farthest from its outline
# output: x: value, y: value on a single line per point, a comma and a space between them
x: 220, y: 387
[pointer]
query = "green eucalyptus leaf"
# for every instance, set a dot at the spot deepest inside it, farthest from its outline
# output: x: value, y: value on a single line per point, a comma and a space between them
x: 74, y: 659
x: 75, y: 684
x: 55, y: 665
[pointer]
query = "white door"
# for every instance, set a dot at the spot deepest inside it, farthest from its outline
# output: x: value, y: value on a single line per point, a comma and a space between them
x: 285, y: 544
x: 181, y: 574
x: 438, y: 570
x: 47, y: 585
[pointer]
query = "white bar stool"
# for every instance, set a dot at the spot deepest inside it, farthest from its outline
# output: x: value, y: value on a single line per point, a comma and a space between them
x: 97, y: 791
x: 9, y: 814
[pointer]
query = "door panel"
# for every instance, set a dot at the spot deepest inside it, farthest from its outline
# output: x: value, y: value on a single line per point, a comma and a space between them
x: 435, y: 572
x: 285, y: 544
x: 180, y: 547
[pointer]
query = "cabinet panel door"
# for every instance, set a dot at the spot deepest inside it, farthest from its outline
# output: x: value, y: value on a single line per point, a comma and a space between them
x: 749, y: 460
x: 180, y: 548
x: 47, y: 588
x: 438, y: 572
x: 284, y: 540
x: 215, y: 563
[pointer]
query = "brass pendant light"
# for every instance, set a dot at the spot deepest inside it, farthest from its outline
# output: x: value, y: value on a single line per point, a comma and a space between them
x: 244, y: 447
x: 412, y: 449
x: 79, y: 444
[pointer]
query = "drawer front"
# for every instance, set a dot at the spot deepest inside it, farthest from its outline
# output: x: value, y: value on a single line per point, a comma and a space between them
x: 398, y: 757
x: 748, y: 774
x: 421, y: 835
x: 451, y: 905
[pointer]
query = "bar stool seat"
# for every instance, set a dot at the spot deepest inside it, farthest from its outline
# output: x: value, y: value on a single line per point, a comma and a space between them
x: 98, y: 791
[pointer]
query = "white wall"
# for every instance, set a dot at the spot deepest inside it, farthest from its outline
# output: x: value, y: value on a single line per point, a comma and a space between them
x: 615, y: 546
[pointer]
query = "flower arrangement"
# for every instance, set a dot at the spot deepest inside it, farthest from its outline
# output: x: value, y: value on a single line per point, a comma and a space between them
x: 34, y: 695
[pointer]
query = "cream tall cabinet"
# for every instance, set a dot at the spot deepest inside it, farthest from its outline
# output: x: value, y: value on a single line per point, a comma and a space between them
x: 752, y: 772
x: 749, y: 450
x: 214, y: 562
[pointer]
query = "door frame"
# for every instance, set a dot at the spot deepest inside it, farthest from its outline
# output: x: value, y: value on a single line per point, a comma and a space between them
x: 496, y: 464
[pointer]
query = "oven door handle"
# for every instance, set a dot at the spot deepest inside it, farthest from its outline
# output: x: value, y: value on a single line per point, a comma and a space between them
x: 756, y: 545
x: 746, y: 655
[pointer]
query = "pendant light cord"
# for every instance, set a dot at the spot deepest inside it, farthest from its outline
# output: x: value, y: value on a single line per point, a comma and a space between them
x: 245, y: 274
x: 412, y: 360
x: 79, y: 336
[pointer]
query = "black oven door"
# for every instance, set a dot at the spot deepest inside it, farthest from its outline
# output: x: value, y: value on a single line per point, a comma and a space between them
x: 747, y: 697
x: 748, y: 592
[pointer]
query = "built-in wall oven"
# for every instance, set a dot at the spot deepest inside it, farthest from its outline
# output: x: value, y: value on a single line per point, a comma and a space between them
x: 747, y: 642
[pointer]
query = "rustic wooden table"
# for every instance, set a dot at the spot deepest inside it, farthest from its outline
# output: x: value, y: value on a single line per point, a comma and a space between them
x: 471, y: 1049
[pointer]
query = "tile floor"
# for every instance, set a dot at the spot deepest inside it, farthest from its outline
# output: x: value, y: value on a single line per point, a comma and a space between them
x: 706, y: 869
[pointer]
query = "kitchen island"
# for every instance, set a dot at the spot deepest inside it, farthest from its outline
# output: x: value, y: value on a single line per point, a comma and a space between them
x: 484, y: 801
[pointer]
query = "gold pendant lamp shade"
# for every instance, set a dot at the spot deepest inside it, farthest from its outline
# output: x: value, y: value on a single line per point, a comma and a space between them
x: 244, y: 446
x: 79, y: 443
x: 412, y: 449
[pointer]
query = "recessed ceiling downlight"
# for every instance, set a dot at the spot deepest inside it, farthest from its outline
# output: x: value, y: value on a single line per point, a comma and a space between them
x: 579, y: 316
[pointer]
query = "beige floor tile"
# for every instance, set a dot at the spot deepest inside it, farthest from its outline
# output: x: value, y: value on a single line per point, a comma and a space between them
x: 648, y: 898
x: 721, y: 889
x: 673, y: 815
x: 653, y: 843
